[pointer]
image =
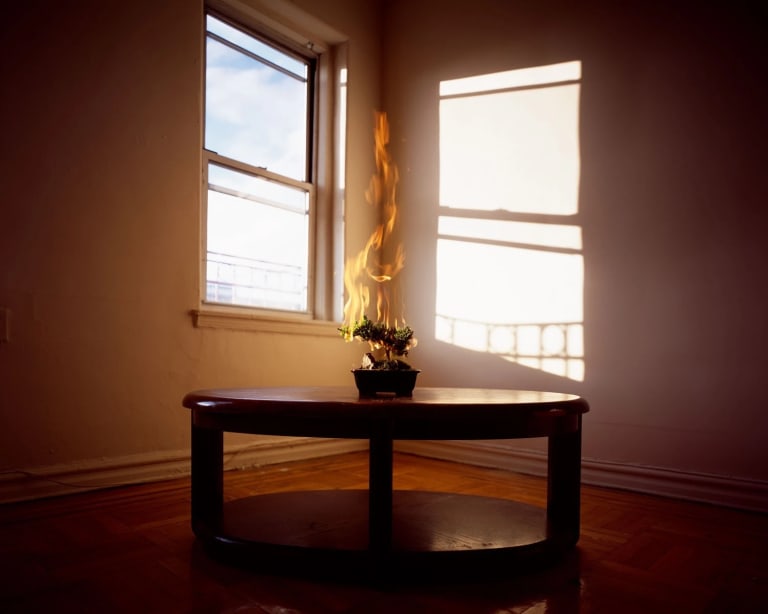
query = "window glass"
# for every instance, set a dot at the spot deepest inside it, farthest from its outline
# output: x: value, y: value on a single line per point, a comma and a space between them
x: 257, y: 152
x: 256, y: 102
x: 247, y: 42
x: 258, y: 234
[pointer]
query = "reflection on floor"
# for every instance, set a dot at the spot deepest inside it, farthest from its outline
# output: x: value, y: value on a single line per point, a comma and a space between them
x: 131, y: 550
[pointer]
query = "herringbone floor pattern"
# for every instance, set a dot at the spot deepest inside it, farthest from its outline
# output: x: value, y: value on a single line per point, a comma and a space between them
x: 131, y: 550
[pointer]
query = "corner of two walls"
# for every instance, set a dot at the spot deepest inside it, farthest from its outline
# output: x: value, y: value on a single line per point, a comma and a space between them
x: 102, y: 240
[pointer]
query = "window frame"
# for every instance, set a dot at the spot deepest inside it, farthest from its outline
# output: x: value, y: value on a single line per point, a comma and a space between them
x: 325, y: 210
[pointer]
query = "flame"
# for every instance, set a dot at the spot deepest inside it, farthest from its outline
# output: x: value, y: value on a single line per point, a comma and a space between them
x: 370, y: 270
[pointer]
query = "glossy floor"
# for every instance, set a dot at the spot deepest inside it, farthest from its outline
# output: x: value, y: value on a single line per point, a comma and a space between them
x: 131, y: 550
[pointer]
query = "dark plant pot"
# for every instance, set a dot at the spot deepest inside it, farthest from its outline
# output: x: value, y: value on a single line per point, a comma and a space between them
x: 385, y: 382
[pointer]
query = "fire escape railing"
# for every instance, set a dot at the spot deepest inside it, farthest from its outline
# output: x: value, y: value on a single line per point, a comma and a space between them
x: 248, y: 281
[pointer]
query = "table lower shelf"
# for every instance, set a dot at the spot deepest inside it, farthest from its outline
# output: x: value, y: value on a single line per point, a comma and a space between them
x: 326, y: 533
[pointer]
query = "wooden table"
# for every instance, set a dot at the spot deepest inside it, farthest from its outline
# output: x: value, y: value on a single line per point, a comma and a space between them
x: 382, y: 532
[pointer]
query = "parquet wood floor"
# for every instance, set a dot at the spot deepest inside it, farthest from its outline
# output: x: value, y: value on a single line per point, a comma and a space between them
x: 131, y: 549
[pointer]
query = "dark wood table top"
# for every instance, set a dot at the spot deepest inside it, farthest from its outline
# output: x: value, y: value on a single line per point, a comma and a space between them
x: 338, y: 396
x: 431, y: 413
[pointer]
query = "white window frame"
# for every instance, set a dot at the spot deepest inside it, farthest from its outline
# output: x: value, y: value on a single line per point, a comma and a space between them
x: 326, y: 155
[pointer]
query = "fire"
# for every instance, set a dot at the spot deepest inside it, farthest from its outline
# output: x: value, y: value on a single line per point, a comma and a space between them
x: 375, y: 268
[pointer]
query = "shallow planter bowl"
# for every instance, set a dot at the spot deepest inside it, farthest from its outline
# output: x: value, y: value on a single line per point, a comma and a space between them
x: 385, y: 382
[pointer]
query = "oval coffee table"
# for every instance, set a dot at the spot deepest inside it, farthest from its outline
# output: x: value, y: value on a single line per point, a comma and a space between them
x: 378, y: 533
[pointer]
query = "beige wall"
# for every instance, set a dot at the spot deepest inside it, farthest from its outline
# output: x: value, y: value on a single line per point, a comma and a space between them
x: 672, y: 205
x: 99, y: 231
x: 99, y: 221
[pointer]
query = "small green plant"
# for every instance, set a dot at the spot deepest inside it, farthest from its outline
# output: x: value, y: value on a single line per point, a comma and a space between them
x: 393, y: 341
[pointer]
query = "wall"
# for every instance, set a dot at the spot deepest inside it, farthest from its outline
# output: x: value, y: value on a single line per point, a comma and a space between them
x: 671, y: 203
x: 99, y: 226
x: 99, y: 239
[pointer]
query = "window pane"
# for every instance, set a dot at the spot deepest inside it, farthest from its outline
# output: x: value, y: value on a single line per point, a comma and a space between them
x: 258, y: 237
x: 256, y: 112
x: 257, y: 47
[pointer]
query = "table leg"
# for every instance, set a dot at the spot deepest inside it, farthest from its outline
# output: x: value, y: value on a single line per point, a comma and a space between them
x: 380, y: 491
x: 207, y: 478
x: 564, y: 486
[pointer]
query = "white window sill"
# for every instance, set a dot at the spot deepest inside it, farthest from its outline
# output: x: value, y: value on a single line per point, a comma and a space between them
x: 243, y: 320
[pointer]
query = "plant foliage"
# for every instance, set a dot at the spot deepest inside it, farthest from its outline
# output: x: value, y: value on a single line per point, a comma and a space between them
x: 394, y: 341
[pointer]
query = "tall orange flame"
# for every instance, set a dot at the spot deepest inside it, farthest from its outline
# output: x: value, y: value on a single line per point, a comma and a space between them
x: 369, y: 267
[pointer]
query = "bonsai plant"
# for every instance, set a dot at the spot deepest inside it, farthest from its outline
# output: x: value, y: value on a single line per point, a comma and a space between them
x: 388, y: 373
x: 394, y: 342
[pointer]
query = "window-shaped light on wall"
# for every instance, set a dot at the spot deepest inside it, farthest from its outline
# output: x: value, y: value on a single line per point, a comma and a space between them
x: 509, y: 261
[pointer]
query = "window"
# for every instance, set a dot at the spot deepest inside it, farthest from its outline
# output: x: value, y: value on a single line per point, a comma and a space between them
x: 258, y: 163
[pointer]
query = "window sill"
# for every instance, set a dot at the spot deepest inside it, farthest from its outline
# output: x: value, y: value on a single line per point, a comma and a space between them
x: 240, y: 320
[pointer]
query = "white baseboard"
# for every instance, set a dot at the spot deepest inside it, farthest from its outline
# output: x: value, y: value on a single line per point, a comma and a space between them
x: 23, y: 485
x: 727, y: 491
x: 55, y: 480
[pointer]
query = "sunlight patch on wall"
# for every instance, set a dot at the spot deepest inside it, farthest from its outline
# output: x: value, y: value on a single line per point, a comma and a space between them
x: 510, y: 269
